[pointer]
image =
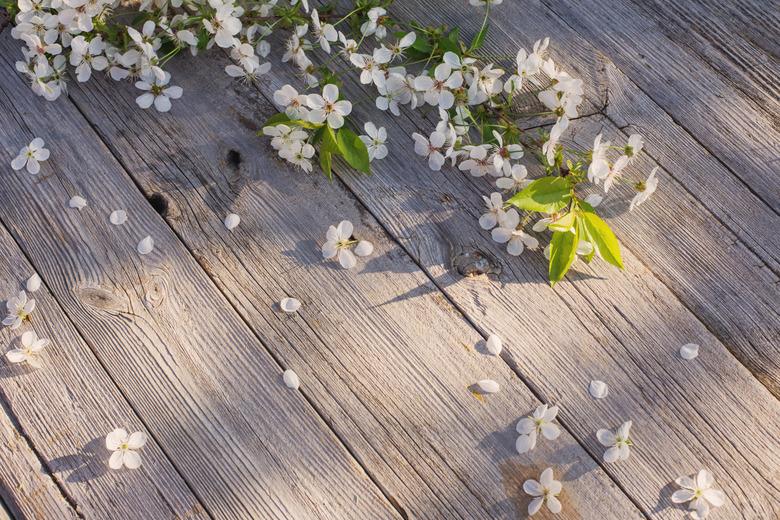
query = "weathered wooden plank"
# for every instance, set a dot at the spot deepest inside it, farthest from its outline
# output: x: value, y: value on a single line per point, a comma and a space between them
x: 205, y: 386
x: 738, y: 131
x: 4, y: 514
x: 736, y: 310
x: 384, y: 357
x: 429, y: 213
x: 722, y: 34
x: 68, y: 406
x: 25, y: 486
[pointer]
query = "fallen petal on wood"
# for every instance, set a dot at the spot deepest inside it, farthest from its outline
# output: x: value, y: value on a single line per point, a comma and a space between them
x: 291, y: 379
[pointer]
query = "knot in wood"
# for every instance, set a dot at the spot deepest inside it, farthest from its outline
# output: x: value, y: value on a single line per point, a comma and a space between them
x: 475, y: 263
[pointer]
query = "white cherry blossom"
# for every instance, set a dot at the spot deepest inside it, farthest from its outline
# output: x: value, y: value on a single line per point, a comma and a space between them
x: 644, y: 189
x: 294, y: 104
x: 86, y: 55
x: 224, y: 26
x: 540, y: 422
x: 327, y: 107
x: 515, y: 181
x: 699, y: 493
x: 158, y: 92
x: 438, y: 89
x: 31, y: 156
x: 374, y: 140
x: 29, y: 350
x: 545, y: 491
x: 18, y: 309
x: 618, y: 443
x: 323, y: 33
x: 340, y: 242
x: 635, y: 144
x: 478, y: 163
x: 507, y: 232
x: 549, y: 147
x: 124, y: 448
x: 495, y: 209
x: 433, y: 148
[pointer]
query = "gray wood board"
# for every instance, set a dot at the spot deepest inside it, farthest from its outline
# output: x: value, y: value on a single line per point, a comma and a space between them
x: 380, y: 351
x: 67, y: 407
x: 204, y: 384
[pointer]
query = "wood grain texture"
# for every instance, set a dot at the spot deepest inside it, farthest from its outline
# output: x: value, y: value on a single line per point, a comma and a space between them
x: 727, y: 36
x: 67, y: 407
x: 734, y: 128
x: 433, y: 215
x: 203, y: 383
x: 687, y: 250
x: 26, y: 488
x: 384, y: 357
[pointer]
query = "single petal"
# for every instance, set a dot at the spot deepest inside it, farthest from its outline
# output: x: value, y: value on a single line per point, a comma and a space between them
x: 347, y: 259
x: 19, y: 162
x: 598, y: 389
x: 525, y: 443
x: 493, y: 344
x: 115, y: 461
x: 136, y: 440
x: 33, y: 167
x: 547, y: 478
x: 488, y: 221
x: 16, y: 356
x: 689, y: 351
x: 704, y: 479
x: 533, y: 488
x: 329, y: 249
x: 290, y: 304
x: 231, y: 221
x: 487, y: 386
x: 550, y: 431
x: 554, y: 505
x: 715, y: 497
x: 685, y: 482
x: 525, y: 426
x: 330, y: 92
x: 535, y: 505
x: 145, y: 246
x: 115, y: 439
x: 364, y: 248
x: 612, y: 454
x: 606, y: 437
x: 118, y: 217
x: 131, y: 459
x: 682, y: 495
x: 291, y: 379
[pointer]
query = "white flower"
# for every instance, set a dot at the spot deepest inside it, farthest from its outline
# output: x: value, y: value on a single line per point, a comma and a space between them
x: 548, y: 148
x: 527, y: 65
x: 299, y: 154
x: 485, y: 85
x: 18, y: 309
x: 340, y: 241
x: 292, y: 102
x: 371, y: 73
x: 323, y: 33
x: 85, y: 56
x: 123, y: 447
x: 478, y: 162
x: 224, y: 26
x: 438, y: 89
x: 29, y: 350
x: 618, y: 443
x: 158, y: 93
x: 529, y: 428
x: 392, y: 92
x: 30, y: 156
x: 328, y: 107
x: 431, y: 148
x: 504, y: 153
x: 544, y: 491
x: 516, y: 240
x: 645, y: 189
x: 515, y: 181
x: 634, y: 146
x: 700, y: 493
x: 375, y: 141
x: 599, y: 166
x: 495, y: 206
x: 394, y: 51
x: 614, y: 172
x: 283, y: 136
x: 372, y: 25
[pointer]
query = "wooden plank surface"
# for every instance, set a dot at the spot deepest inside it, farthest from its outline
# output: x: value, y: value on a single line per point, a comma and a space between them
x: 205, y: 386
x: 382, y: 354
x: 433, y: 216
x: 734, y: 128
x: 67, y: 407
x: 25, y: 486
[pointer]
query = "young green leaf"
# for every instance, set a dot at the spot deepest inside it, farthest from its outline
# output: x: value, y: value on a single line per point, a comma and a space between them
x: 329, y: 143
x: 563, y: 251
x: 547, y: 195
x: 326, y: 163
x: 603, y: 239
x: 277, y: 119
x: 564, y: 223
x: 353, y: 149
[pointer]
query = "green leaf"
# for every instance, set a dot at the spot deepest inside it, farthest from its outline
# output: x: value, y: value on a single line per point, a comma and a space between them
x: 563, y: 251
x: 353, y: 149
x: 326, y: 163
x: 546, y: 195
x: 601, y: 236
x: 479, y: 39
x: 450, y: 42
x: 329, y: 143
x: 422, y: 45
x: 277, y: 119
x: 585, y: 237
x: 565, y: 223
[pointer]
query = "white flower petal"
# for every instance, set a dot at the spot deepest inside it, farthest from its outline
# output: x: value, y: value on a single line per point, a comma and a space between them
x: 232, y: 220
x: 606, y: 437
x: 494, y: 345
x: 115, y: 461
x: 689, y: 351
x: 347, y: 259
x: 115, y: 439
x: 598, y: 389
x: 535, y: 505
x: 77, y: 202
x: 525, y: 443
x: 682, y: 495
x: 289, y: 304
x: 33, y: 283
x: 487, y: 386
x: 118, y: 217
x: 612, y: 454
x: 291, y: 379
x: 145, y: 246
x: 136, y: 440
x: 364, y: 248
x: 131, y: 460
